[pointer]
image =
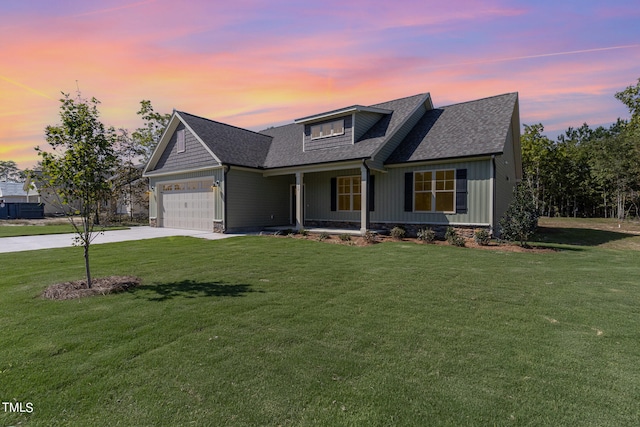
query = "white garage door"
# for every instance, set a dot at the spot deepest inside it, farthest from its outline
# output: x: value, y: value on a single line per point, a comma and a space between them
x: 187, y: 205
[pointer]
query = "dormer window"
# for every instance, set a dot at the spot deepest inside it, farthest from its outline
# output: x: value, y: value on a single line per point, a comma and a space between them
x: 324, y: 130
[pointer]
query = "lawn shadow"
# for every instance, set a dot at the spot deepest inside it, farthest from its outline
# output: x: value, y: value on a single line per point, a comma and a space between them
x: 578, y: 236
x: 193, y: 289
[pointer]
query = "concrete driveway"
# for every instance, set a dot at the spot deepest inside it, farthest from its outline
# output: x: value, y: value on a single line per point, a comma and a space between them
x: 49, y: 241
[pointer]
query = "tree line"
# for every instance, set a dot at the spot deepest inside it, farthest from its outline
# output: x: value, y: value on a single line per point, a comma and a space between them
x: 587, y: 172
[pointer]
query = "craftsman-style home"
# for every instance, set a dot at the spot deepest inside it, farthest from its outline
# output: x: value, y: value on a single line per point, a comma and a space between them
x: 401, y: 162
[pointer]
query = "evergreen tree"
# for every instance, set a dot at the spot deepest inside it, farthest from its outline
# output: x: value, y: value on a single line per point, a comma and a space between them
x: 520, y: 220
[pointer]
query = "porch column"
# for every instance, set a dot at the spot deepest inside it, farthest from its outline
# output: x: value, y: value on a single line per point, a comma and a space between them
x: 364, y: 198
x: 299, y: 201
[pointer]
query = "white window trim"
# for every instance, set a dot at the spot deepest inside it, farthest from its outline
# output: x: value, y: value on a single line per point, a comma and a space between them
x: 434, y: 191
x: 332, y: 123
x: 351, y: 193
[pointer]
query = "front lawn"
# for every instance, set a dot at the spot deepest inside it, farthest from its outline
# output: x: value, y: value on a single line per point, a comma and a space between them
x: 265, y: 331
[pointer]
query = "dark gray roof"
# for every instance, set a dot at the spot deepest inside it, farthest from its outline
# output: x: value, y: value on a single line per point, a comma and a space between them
x: 287, y: 148
x: 461, y: 130
x: 232, y: 145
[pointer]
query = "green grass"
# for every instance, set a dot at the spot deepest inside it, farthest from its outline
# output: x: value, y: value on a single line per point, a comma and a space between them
x: 601, y: 232
x: 34, y: 230
x: 264, y: 331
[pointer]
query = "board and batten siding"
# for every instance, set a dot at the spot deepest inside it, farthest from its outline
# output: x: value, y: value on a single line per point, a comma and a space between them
x: 389, y: 196
x: 212, y: 175
x: 194, y: 156
x: 255, y: 201
x: 318, y: 197
x: 506, y: 179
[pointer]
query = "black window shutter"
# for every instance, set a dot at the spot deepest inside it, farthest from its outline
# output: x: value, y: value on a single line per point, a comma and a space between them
x: 334, y: 194
x: 408, y: 192
x: 372, y: 192
x: 461, y: 191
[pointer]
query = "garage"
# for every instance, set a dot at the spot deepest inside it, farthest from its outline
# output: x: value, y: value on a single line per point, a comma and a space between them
x: 187, y: 205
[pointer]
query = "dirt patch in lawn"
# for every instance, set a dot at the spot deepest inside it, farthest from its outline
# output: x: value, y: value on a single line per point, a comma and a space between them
x: 99, y: 286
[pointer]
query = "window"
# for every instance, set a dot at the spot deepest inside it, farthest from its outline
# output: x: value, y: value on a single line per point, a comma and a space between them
x: 180, y: 141
x: 349, y: 191
x: 435, y: 191
x: 327, y: 129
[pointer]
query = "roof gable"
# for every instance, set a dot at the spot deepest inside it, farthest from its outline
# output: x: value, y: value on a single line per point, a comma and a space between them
x: 461, y: 130
x: 220, y: 144
x: 231, y: 145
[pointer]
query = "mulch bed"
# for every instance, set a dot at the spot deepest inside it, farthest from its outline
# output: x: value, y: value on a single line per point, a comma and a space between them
x: 356, y: 240
x: 99, y: 286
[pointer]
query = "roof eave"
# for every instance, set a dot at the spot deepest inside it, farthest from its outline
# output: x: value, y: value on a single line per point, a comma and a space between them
x: 342, y: 112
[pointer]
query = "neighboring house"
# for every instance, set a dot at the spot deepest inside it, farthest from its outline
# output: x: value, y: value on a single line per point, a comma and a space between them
x: 18, y: 192
x: 401, y: 162
x: 19, y: 200
x: 130, y: 197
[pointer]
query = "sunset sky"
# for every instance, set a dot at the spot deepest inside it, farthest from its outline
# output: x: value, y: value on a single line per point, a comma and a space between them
x: 256, y: 64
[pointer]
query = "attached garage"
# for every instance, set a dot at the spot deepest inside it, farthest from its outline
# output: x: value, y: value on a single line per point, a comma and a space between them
x: 188, y: 205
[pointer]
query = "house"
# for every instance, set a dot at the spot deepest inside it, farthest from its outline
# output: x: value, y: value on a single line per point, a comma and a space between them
x: 18, y: 192
x: 130, y: 197
x: 401, y: 162
x: 19, y: 200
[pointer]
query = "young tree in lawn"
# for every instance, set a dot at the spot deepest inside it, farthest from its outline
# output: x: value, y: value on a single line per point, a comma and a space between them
x: 77, y: 170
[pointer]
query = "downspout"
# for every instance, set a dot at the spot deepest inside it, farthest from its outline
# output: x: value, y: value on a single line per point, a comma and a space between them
x: 492, y: 192
x: 368, y: 199
x: 225, y: 170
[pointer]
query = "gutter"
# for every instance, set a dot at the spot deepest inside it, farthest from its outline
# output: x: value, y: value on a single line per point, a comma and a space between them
x: 224, y: 197
x: 492, y: 191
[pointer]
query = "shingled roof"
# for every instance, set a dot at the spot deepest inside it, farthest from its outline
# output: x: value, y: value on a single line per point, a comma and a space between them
x: 461, y: 130
x: 287, y: 150
x: 232, y: 145
x: 467, y: 129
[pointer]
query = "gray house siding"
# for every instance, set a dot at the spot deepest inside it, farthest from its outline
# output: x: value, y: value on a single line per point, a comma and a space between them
x: 506, y: 179
x: 330, y: 141
x: 318, y: 197
x: 255, y: 201
x: 363, y: 122
x: 390, y: 196
x: 194, y: 156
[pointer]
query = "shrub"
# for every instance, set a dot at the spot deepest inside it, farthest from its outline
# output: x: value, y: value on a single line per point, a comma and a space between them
x: 398, y: 233
x: 323, y: 236
x: 520, y: 220
x: 304, y: 232
x: 426, y: 235
x: 345, y: 237
x: 370, y: 237
x: 482, y: 237
x: 453, y: 238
